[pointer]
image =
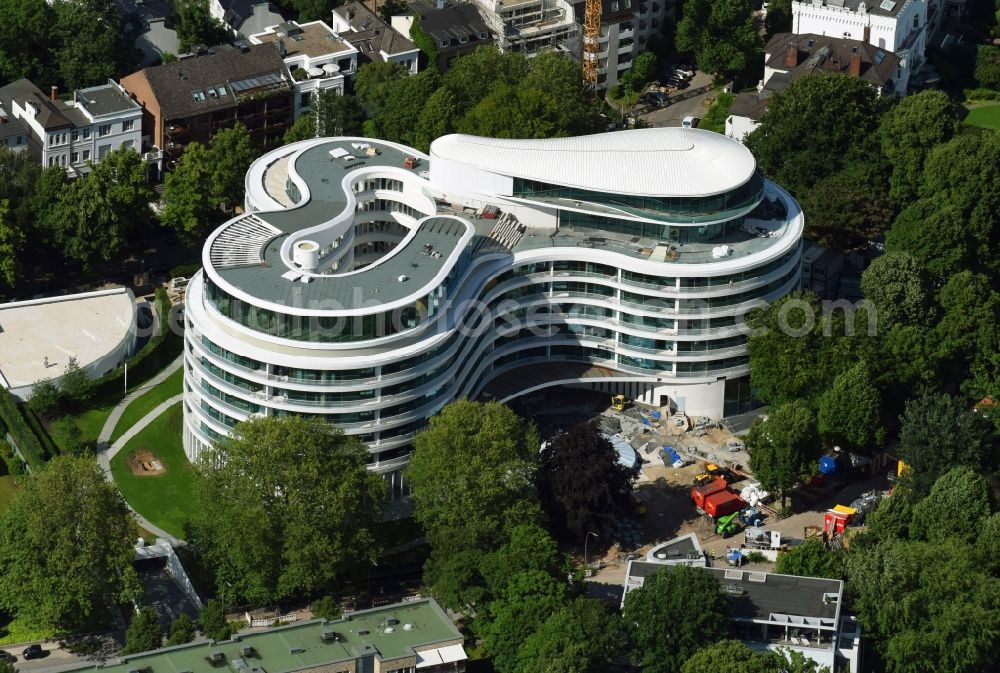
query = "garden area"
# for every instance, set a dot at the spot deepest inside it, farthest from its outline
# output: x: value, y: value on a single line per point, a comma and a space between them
x: 155, y: 476
x: 984, y: 116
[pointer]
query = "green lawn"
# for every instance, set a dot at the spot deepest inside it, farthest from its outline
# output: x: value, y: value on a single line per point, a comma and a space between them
x: 17, y: 631
x: 986, y: 116
x: 163, y: 499
x: 148, y: 401
x: 7, y: 491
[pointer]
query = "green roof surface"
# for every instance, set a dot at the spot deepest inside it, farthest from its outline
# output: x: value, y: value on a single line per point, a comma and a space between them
x: 301, y: 646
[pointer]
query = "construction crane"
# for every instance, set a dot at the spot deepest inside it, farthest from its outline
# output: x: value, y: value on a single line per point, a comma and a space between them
x: 591, y: 42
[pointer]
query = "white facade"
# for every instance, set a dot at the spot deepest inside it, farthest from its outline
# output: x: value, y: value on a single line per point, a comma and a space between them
x: 326, y: 59
x: 101, y: 119
x: 739, y: 127
x: 531, y: 26
x: 899, y: 26
x: 388, y: 290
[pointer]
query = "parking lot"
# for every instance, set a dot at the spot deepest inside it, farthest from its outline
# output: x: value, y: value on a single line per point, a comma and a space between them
x: 689, y: 101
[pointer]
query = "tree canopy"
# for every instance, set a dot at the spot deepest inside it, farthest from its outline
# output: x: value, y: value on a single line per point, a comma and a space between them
x: 484, y: 93
x: 810, y: 559
x: 66, y: 548
x: 582, y: 485
x: 732, y: 656
x: 582, y: 637
x: 143, y: 633
x: 470, y: 466
x: 816, y: 127
x: 850, y: 411
x: 683, y: 602
x: 784, y: 448
x: 286, y: 507
x: 721, y: 34
x: 899, y: 290
x: 938, y: 433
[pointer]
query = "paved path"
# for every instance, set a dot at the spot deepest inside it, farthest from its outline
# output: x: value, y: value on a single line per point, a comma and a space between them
x: 105, y: 453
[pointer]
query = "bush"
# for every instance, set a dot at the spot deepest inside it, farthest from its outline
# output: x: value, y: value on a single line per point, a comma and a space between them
x: 981, y: 94
x: 143, y: 633
x: 14, y: 465
x: 187, y: 269
x: 181, y: 630
x: 326, y: 608
x: 988, y: 66
x: 76, y: 384
x: 616, y: 91
x: 212, y: 621
x: 46, y: 397
x: 756, y: 557
x: 299, y: 74
x: 19, y: 429
x: 715, y: 118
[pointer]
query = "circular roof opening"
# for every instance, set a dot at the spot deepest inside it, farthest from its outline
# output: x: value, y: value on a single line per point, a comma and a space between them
x: 307, y: 246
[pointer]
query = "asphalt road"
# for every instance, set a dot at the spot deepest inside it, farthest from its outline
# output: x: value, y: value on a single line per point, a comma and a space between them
x: 690, y: 101
x: 55, y: 660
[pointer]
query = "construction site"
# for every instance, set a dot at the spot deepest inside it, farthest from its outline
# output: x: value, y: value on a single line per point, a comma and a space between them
x: 693, y: 477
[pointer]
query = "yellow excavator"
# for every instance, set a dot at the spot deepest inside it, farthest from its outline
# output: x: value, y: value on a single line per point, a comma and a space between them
x: 618, y: 402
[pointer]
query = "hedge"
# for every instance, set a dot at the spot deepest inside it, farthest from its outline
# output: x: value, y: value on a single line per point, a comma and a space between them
x: 981, y: 94
x: 161, y: 350
x: 14, y: 422
x: 12, y: 464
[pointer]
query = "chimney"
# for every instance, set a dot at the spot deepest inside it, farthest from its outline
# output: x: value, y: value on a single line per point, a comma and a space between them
x: 54, y: 93
x: 792, y: 55
x: 867, y: 37
x: 854, y: 69
x: 282, y: 51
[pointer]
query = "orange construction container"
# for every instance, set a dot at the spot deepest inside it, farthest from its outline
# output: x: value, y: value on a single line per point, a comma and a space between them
x: 699, y: 493
x: 722, y: 504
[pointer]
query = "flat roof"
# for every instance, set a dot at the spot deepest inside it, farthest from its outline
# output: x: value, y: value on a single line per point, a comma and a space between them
x: 85, y: 326
x: 302, y: 646
x: 644, y: 162
x: 313, y: 39
x: 766, y: 596
x: 104, y: 99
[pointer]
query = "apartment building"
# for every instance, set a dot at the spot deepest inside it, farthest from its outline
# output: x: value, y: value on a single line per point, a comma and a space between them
x: 531, y: 26
x: 318, y: 58
x: 626, y: 28
x: 374, y: 39
x: 455, y: 30
x: 72, y: 132
x: 195, y: 97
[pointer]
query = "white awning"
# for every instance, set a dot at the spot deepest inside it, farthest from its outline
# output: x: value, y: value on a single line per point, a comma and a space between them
x: 441, y: 655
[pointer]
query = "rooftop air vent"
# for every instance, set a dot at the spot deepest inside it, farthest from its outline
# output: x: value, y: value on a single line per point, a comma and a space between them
x: 407, y: 627
x: 363, y: 632
x: 403, y: 278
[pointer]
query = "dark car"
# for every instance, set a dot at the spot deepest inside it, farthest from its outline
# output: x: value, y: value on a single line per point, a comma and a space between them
x: 7, y: 656
x: 33, y: 652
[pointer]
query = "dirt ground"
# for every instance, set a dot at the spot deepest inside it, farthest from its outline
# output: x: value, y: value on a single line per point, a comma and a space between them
x: 144, y: 463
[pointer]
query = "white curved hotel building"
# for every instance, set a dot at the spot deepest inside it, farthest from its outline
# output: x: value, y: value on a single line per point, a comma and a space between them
x: 369, y: 285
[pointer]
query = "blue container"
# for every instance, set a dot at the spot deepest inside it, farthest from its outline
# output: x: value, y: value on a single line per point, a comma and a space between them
x: 828, y: 464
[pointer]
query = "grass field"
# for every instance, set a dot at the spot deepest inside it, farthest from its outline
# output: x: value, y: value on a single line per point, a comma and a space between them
x: 7, y: 491
x: 148, y: 401
x: 987, y: 116
x: 164, y: 499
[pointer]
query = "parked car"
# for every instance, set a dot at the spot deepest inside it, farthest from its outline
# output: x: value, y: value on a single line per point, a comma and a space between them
x: 678, y: 82
x: 7, y: 656
x: 659, y: 98
x: 33, y: 652
x: 677, y: 73
x: 690, y: 122
x: 684, y: 69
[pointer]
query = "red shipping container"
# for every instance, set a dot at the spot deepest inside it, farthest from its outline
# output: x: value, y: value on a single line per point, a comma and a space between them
x: 699, y: 493
x: 722, y: 504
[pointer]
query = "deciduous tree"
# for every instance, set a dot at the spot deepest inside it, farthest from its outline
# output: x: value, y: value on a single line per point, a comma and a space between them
x: 908, y: 132
x: 76, y: 384
x: 721, y: 34
x: 732, y: 656
x: 816, y: 127
x: 231, y: 154
x: 784, y: 448
x: 472, y: 464
x: 195, y: 25
x: 957, y: 503
x: 12, y: 240
x: 811, y: 559
x: 46, y: 397
x: 664, y: 603
x: 582, y: 485
x: 25, y: 40
x: 143, y: 633
x: 582, y: 637
x: 286, y: 507
x: 212, y: 621
x: 939, y: 432
x: 850, y: 411
x: 181, y: 630
x: 900, y: 291
x: 849, y: 207
x: 66, y: 547
x: 190, y: 208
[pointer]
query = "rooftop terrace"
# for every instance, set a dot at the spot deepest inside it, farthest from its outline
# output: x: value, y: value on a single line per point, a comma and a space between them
x: 313, y: 39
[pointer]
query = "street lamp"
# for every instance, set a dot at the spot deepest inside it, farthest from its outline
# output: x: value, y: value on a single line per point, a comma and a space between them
x: 585, y: 541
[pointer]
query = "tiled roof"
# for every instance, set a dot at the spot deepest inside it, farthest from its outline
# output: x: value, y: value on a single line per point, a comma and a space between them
x: 204, y: 83
x: 24, y: 90
x: 371, y: 34
x: 821, y: 53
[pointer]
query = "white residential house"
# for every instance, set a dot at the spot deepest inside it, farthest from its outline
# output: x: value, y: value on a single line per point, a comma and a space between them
x: 374, y: 39
x: 244, y: 18
x: 315, y: 54
x: 899, y: 26
x: 531, y: 26
x: 71, y: 133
